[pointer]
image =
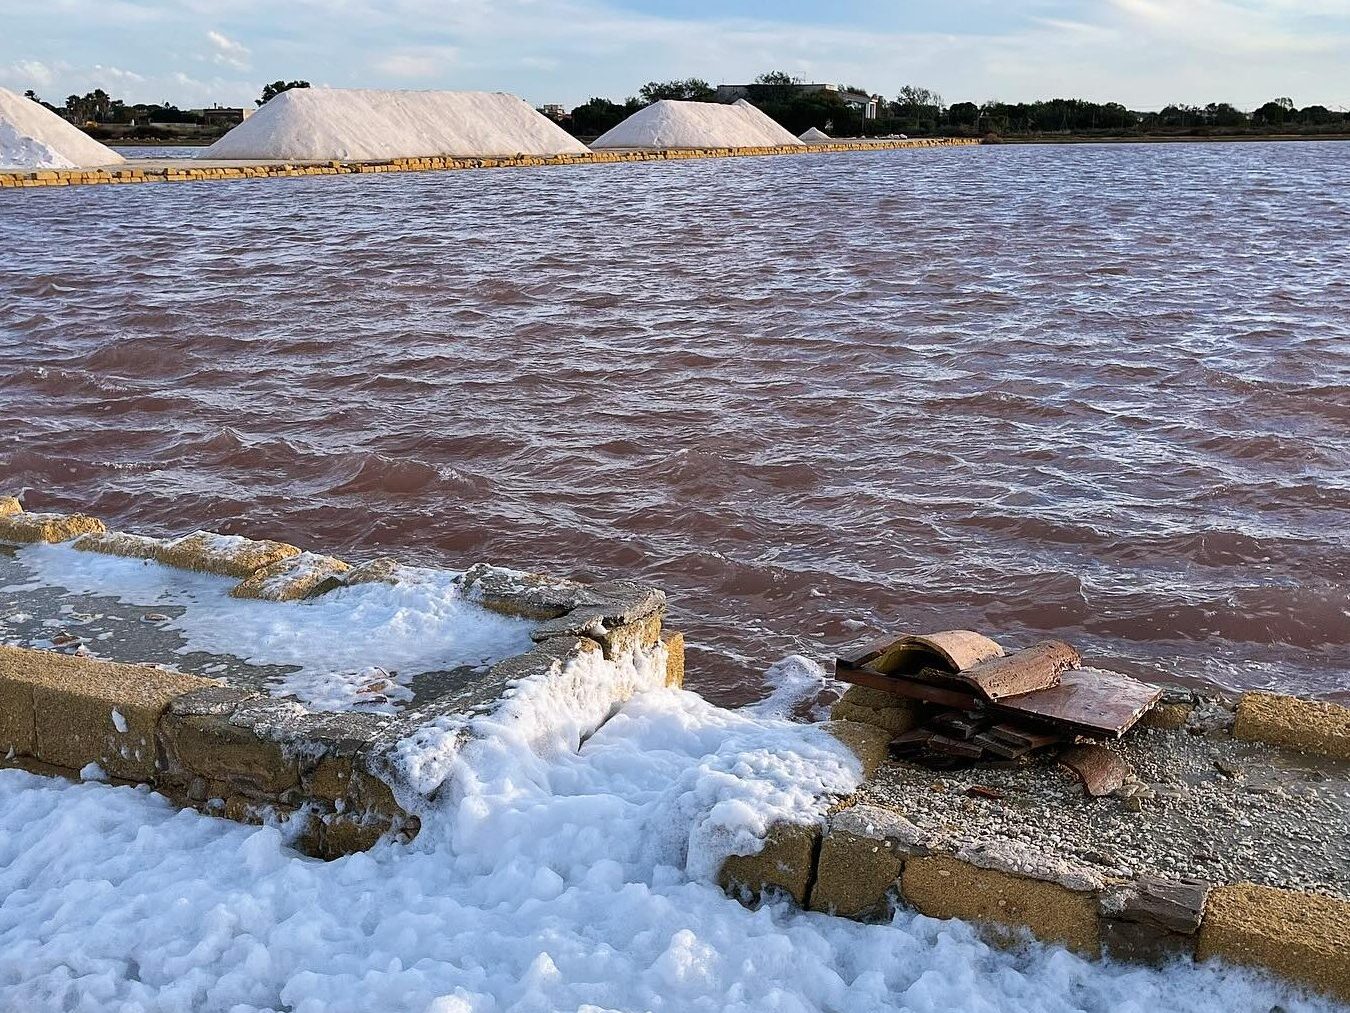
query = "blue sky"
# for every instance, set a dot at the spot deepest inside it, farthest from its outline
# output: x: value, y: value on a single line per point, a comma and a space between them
x: 1144, y: 53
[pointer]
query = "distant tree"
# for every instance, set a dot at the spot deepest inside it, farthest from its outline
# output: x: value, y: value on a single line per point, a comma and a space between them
x: 600, y: 114
x: 32, y: 96
x: 1221, y: 114
x: 271, y: 91
x: 691, y: 89
x: 964, y: 114
x: 1317, y: 116
x: 921, y: 108
x: 777, y: 87
x: 94, y: 106
x: 1273, y: 113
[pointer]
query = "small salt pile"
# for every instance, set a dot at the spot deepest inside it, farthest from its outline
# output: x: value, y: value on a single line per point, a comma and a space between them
x: 324, y: 124
x: 815, y: 136
x: 34, y: 137
x: 673, y: 124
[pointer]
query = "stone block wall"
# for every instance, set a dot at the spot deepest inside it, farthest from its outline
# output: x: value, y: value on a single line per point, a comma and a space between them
x: 180, y: 172
x: 863, y: 860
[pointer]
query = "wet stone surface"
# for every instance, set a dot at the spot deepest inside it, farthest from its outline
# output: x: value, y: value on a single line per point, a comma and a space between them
x: 103, y: 627
x: 1204, y: 806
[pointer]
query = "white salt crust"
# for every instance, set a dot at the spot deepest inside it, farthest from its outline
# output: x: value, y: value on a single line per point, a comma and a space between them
x: 342, y: 641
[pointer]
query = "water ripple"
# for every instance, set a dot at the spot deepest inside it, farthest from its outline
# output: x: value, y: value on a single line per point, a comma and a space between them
x: 1094, y: 392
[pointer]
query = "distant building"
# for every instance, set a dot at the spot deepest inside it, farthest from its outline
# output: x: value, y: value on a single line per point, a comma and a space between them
x: 222, y: 116
x: 554, y: 110
x: 854, y: 99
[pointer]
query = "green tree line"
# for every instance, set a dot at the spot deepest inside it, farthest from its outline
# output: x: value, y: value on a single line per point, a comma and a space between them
x: 914, y: 110
x: 920, y: 112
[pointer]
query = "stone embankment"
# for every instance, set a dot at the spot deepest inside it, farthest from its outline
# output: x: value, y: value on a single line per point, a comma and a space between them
x: 238, y: 752
x: 1227, y: 840
x: 187, y: 170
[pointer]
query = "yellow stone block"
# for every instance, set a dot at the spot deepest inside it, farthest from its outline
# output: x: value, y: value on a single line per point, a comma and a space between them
x: 1302, y: 936
x: 227, y: 555
x: 25, y: 528
x: 1310, y: 726
x: 94, y: 711
x: 941, y: 886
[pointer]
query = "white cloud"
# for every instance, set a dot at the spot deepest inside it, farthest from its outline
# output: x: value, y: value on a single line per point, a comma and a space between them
x: 116, y: 74
x: 1144, y: 53
x: 228, y: 52
x: 423, y: 64
x: 30, y: 73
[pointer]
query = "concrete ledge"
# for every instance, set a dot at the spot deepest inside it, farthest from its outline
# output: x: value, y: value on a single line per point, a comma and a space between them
x: 238, y: 753
x: 1301, y: 936
x: 1309, y: 726
x: 184, y: 171
x: 871, y: 855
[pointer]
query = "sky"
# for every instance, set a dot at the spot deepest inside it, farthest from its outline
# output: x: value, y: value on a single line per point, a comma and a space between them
x: 1144, y: 53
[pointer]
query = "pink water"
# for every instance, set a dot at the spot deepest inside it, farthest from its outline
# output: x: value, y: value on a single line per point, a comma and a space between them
x: 1094, y: 392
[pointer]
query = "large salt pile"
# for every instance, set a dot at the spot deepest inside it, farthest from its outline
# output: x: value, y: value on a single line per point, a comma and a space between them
x: 815, y: 136
x: 673, y: 124
x: 34, y: 137
x: 323, y: 124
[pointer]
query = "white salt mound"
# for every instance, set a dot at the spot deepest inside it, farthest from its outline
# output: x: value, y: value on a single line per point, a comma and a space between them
x: 672, y: 124
x: 34, y: 137
x: 815, y: 136
x: 325, y: 124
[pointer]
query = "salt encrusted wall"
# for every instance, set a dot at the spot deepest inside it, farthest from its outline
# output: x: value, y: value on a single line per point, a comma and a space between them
x: 250, y: 757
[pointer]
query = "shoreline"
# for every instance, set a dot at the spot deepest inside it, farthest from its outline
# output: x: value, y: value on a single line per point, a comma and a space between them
x: 184, y: 170
x: 1170, y: 139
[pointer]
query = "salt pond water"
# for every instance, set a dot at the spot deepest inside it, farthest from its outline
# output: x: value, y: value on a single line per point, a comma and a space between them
x: 1093, y: 392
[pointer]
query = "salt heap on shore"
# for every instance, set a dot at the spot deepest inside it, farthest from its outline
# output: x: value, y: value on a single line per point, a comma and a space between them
x: 327, y: 124
x: 34, y: 137
x: 673, y: 124
x: 815, y: 136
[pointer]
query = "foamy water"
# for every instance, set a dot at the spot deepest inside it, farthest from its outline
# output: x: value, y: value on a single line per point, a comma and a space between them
x: 577, y: 884
x: 1094, y: 392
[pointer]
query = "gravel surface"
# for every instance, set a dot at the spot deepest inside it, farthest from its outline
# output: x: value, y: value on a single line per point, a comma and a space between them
x: 1203, y: 806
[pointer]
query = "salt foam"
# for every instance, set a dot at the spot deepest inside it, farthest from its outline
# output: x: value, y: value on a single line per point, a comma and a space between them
x: 34, y: 137
x: 580, y: 882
